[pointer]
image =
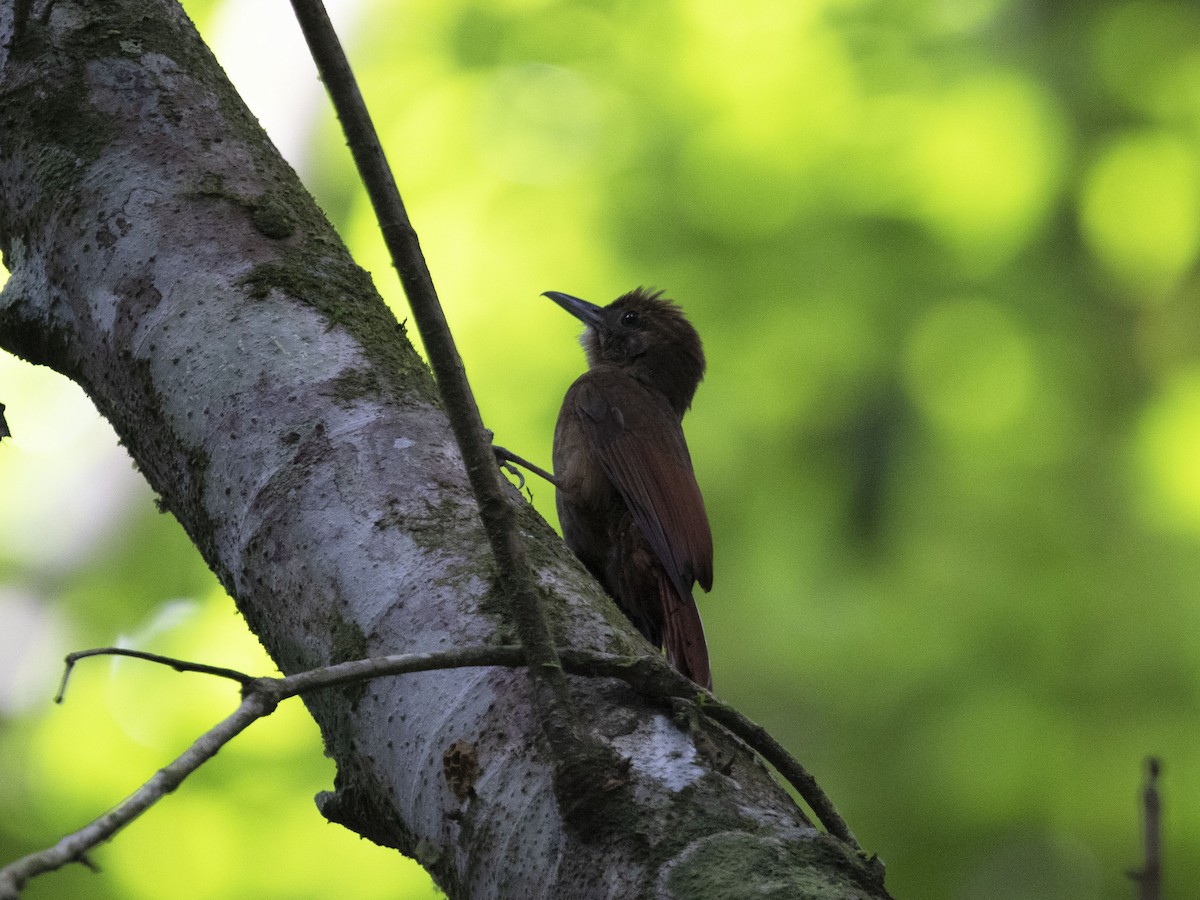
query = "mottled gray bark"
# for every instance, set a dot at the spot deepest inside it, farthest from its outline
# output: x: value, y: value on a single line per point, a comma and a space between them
x: 165, y: 258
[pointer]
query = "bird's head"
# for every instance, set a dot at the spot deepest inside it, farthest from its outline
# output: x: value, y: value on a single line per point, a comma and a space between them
x: 646, y: 335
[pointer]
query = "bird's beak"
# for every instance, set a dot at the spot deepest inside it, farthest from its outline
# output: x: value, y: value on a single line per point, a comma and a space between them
x: 588, y: 313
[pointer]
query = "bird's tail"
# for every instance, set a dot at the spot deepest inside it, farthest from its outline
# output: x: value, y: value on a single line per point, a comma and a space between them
x: 683, y: 634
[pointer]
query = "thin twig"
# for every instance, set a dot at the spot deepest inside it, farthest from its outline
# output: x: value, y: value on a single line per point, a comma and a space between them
x: 75, y: 847
x: 179, y: 665
x: 555, y: 708
x: 787, y: 765
x: 1149, y: 879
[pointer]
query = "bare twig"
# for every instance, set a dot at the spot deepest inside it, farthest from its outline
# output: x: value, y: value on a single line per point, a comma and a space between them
x: 787, y: 766
x: 1149, y: 878
x: 179, y: 665
x: 650, y: 676
x: 555, y: 709
x: 256, y: 703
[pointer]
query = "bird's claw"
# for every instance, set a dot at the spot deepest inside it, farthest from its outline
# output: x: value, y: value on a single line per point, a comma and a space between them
x: 504, y: 460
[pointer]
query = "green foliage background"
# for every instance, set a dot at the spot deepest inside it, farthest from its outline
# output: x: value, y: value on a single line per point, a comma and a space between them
x: 943, y: 258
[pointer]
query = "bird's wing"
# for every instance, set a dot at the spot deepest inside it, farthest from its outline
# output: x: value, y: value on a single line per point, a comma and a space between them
x: 639, y: 442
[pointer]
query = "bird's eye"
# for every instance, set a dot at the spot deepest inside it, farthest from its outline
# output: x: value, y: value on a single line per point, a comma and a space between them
x: 631, y: 319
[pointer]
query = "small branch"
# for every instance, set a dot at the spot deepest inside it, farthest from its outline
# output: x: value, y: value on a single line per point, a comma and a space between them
x: 555, y: 708
x: 75, y: 847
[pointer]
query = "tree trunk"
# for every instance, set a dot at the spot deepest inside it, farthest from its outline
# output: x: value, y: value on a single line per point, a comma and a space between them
x: 165, y: 258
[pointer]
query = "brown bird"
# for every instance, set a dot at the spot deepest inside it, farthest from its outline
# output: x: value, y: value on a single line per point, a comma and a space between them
x: 627, y: 498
